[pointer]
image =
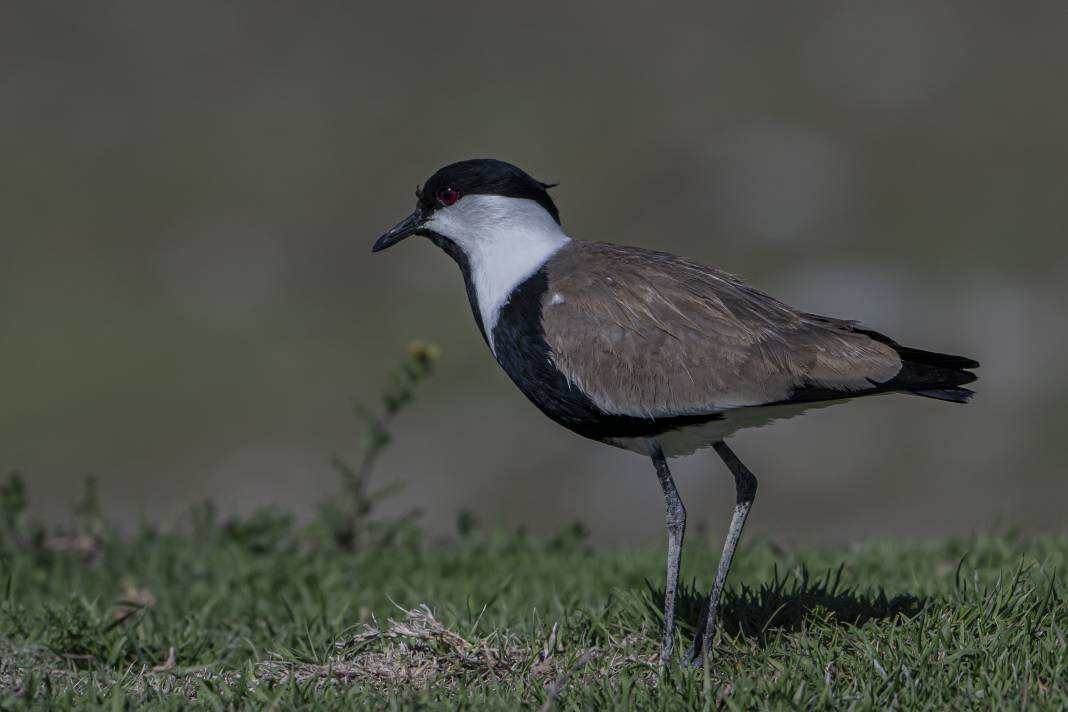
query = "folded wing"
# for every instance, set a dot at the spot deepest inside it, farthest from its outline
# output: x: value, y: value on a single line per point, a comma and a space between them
x: 653, y: 335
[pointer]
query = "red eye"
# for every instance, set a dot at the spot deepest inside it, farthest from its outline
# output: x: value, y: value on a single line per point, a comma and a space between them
x: 448, y: 196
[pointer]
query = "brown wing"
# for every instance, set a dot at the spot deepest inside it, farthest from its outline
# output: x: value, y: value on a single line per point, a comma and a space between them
x: 651, y: 334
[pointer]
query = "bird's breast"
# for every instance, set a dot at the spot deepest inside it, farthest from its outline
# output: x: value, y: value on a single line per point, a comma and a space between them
x: 525, y: 355
x: 518, y: 338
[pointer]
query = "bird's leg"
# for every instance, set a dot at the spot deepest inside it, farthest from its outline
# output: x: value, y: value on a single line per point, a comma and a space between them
x: 676, y: 528
x: 745, y: 485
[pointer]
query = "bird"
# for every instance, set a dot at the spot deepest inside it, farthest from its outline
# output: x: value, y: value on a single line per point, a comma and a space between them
x: 648, y: 351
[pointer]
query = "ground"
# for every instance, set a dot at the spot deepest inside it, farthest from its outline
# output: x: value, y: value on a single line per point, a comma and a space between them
x: 262, y: 612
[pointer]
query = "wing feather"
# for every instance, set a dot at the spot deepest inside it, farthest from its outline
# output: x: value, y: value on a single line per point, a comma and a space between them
x: 654, y: 335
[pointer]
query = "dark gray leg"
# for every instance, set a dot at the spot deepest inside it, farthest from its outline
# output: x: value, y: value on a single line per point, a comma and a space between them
x: 676, y: 528
x: 745, y: 485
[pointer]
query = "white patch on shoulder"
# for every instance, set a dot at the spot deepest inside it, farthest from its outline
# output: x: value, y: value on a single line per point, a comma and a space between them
x: 506, y: 240
x: 557, y: 299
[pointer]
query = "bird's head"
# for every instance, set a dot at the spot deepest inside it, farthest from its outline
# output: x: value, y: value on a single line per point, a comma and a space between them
x: 479, y: 206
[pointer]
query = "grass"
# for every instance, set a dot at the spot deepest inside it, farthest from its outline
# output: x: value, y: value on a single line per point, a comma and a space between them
x: 352, y: 612
x: 260, y: 612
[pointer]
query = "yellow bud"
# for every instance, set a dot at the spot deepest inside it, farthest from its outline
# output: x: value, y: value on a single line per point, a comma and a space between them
x: 423, y: 352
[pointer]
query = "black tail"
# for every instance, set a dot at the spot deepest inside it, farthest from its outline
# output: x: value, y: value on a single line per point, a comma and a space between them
x: 953, y: 395
x: 929, y: 373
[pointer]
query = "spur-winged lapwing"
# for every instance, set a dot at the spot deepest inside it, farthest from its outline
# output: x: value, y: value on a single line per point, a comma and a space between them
x: 645, y: 350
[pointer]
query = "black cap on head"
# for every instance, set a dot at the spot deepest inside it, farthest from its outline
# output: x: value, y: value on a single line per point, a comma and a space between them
x: 486, y: 176
x: 479, y: 176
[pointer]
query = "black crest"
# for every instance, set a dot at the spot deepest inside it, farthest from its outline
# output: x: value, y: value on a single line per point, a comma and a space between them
x: 486, y: 176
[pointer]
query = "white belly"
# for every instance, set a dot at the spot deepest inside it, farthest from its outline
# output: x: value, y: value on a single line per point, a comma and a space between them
x: 689, y: 439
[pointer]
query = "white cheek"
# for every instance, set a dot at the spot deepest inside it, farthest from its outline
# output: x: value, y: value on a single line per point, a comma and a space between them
x: 506, y: 240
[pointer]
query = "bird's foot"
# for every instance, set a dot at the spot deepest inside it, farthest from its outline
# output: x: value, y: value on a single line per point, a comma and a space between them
x: 699, y: 649
x: 694, y: 657
x: 667, y: 653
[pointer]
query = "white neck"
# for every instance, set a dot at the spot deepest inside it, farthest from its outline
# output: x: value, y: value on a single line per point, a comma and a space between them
x: 506, y: 240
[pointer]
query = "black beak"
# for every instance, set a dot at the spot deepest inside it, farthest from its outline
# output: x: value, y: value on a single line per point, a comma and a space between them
x: 408, y: 226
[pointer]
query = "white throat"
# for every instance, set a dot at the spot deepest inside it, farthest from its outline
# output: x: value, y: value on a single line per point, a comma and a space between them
x: 506, y: 240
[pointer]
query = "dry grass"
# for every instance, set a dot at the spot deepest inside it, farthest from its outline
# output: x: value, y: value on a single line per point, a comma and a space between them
x: 418, y: 650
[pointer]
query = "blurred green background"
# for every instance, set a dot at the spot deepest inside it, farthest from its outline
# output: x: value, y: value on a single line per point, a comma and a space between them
x: 190, y: 191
